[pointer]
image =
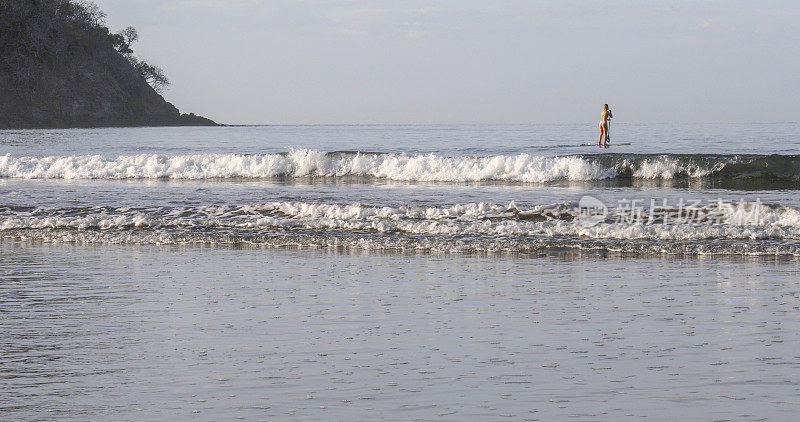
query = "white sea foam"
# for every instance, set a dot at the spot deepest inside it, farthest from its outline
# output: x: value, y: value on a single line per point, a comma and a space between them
x: 311, y: 163
x: 666, y: 167
x: 471, y: 227
x: 492, y: 221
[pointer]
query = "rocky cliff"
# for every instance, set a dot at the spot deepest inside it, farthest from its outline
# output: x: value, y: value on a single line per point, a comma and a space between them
x: 61, y: 67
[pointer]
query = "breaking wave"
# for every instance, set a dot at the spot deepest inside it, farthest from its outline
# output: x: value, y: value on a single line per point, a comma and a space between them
x: 461, y: 228
x: 303, y: 163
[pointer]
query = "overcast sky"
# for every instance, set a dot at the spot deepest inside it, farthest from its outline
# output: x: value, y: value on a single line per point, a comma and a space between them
x: 469, y: 61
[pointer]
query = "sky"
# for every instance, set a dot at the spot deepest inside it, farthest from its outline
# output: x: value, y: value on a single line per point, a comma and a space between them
x: 468, y: 61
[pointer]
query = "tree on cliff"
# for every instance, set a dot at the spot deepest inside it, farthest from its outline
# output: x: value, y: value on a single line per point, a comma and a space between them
x: 153, y: 74
x: 123, y: 40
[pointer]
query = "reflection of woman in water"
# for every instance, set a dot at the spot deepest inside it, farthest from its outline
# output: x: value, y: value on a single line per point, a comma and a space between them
x: 605, y: 116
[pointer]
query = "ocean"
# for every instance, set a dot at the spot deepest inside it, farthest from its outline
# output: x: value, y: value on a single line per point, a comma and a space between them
x: 443, y: 272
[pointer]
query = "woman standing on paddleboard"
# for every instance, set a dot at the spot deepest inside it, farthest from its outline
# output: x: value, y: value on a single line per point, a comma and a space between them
x: 605, y: 116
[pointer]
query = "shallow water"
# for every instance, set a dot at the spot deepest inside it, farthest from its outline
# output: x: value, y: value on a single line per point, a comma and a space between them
x: 156, y: 333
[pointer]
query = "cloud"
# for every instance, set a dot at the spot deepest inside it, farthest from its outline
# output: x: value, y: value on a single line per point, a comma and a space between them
x: 210, y: 4
x: 408, y: 21
x: 413, y: 34
x: 356, y: 16
x: 707, y: 24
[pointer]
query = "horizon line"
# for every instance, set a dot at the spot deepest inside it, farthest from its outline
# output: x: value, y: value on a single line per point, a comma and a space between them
x: 496, y: 124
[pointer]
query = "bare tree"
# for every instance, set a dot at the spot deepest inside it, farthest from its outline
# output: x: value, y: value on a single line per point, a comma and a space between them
x: 153, y: 75
x: 122, y: 40
x: 130, y: 34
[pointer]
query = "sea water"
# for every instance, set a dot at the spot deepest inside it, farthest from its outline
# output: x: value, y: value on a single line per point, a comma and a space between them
x: 400, y: 272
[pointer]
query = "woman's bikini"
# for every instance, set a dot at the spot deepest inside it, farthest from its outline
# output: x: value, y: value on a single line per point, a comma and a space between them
x: 603, y: 119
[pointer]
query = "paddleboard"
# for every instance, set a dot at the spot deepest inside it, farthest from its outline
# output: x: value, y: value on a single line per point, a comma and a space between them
x: 615, y: 144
